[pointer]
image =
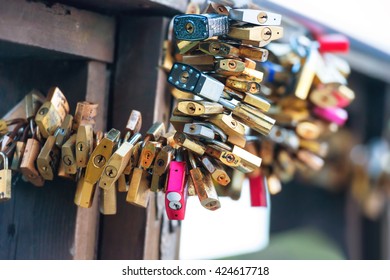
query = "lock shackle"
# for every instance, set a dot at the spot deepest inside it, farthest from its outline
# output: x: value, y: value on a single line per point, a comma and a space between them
x: 4, y: 160
x: 16, y: 129
x: 15, y: 121
x: 214, y: 128
x: 26, y: 130
x: 219, y: 144
x: 192, y: 159
x: 135, y: 138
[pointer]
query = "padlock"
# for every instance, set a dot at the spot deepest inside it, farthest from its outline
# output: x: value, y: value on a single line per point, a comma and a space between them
x: 200, y: 27
x: 20, y: 146
x: 258, y: 191
x: 101, y: 155
x: 122, y: 184
x: 311, y: 160
x: 234, y: 129
x: 199, y: 131
x: 253, y: 53
x: 108, y: 198
x: 48, y: 119
x: 248, y: 162
x: 223, y: 155
x: 216, y: 8
x: 188, y: 78
x: 3, y: 127
x: 85, y: 114
x: 229, y: 67
x: 217, y: 48
x: 306, y: 74
x: 84, y: 144
x: 250, y: 99
x: 179, y: 94
x: 63, y: 133
x: 217, y: 172
x: 186, y: 46
x: 58, y: 99
x: 135, y: 153
x: 161, y: 165
x: 190, y: 144
x: 243, y: 85
x: 134, y: 122
x: 257, y: 17
x: 33, y: 101
x: 308, y: 130
x: 47, y: 161
x: 274, y: 184
x: 316, y: 147
x: 250, y: 116
x: 204, y: 186
x: 334, y: 115
x: 5, y: 179
x: 138, y: 193
x: 27, y: 166
x: 68, y: 155
x: 261, y: 34
x: 117, y: 163
x: 203, y: 62
x: 178, y: 122
x: 62, y: 172
x: 148, y: 153
x: 199, y: 107
x: 85, y: 193
x: 176, y: 191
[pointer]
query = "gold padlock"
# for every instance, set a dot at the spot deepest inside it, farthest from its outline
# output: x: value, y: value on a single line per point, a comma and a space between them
x: 48, y: 119
x: 63, y: 133
x: 108, y: 201
x: 85, y: 193
x: 5, y: 179
x: 69, y: 156
x: 84, y: 144
x: 85, y: 113
x: 58, y: 99
x: 100, y: 156
x: 204, y: 186
x: 48, y: 157
x: 27, y: 166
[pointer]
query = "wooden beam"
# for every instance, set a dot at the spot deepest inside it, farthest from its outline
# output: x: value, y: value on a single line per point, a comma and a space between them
x: 87, y: 219
x: 160, y: 7
x: 57, y: 28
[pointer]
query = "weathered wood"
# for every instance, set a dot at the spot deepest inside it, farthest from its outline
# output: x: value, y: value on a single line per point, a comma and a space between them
x: 134, y: 233
x: 57, y: 28
x: 87, y: 220
x: 160, y: 7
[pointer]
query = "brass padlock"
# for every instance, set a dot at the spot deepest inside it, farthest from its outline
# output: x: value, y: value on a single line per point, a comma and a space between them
x: 100, y: 156
x: 48, y: 119
x: 186, y: 142
x: 63, y: 133
x: 69, y: 156
x: 138, y: 193
x: 33, y: 100
x: 117, y: 163
x: 216, y: 170
x: 108, y: 201
x: 5, y: 179
x: 27, y: 166
x: 204, y: 186
x: 85, y: 114
x: 84, y: 144
x: 160, y: 167
x: 84, y: 193
x: 199, y: 107
x: 48, y: 157
x: 249, y: 99
x: 234, y: 129
x: 58, y: 99
x: 134, y: 123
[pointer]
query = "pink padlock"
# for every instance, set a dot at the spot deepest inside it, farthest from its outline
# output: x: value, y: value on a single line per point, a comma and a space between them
x: 176, y: 193
x: 334, y: 43
x: 344, y: 96
x: 332, y: 114
x: 258, y: 191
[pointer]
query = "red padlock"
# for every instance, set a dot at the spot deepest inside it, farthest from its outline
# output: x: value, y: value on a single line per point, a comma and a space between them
x: 258, y: 191
x: 333, y: 43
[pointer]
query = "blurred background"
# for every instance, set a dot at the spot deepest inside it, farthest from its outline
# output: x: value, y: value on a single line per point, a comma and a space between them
x: 342, y: 211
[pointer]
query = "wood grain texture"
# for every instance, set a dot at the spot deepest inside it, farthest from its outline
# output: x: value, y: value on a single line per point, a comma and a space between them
x: 38, y: 223
x: 56, y: 28
x: 87, y: 219
x: 134, y: 233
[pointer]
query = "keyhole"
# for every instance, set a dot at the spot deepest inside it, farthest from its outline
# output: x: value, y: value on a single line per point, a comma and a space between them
x: 160, y: 162
x: 190, y: 27
x: 232, y: 64
x: 262, y: 17
x: 191, y: 108
x: 184, y: 77
x: 214, y: 48
x: 81, y: 147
